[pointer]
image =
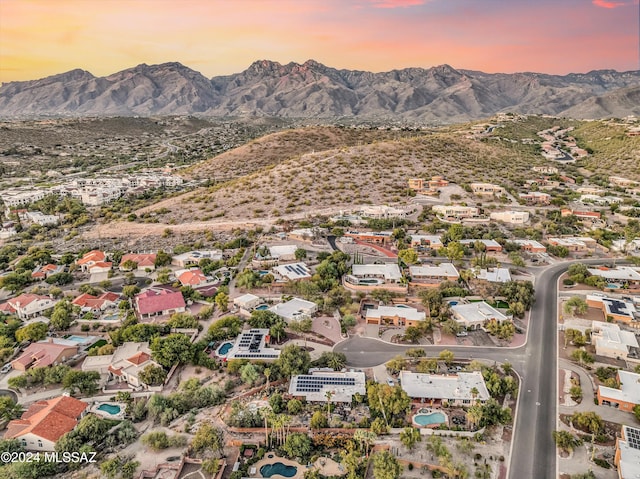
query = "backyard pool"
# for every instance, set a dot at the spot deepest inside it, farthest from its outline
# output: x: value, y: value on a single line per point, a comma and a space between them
x: 453, y: 303
x: 426, y: 417
x: 112, y: 409
x: 224, y: 348
x: 262, y: 307
x: 613, y: 286
x: 278, y: 468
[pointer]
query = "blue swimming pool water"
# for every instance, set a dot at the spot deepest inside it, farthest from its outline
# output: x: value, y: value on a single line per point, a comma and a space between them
x: 428, y: 419
x: 277, y: 468
x: 453, y: 303
x: 224, y: 349
x: 262, y: 307
x: 112, y: 409
x: 77, y: 339
x: 613, y: 286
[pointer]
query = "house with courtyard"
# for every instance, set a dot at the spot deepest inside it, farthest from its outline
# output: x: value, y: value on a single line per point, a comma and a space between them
x: 124, y: 365
x: 399, y: 315
x: 423, y: 242
x: 45, y: 353
x: 193, y: 258
x: 247, y: 302
x: 624, y: 398
x: 611, y: 342
x: 44, y: 422
x: 322, y: 385
x: 462, y: 389
x: 455, y: 212
x: 536, y: 198
x: 155, y: 303
x: 43, y: 272
x: 366, y: 277
x: 295, y: 309
x: 431, y: 275
x: 96, y: 304
x: 487, y: 189
x: 473, y: 316
x: 373, y: 237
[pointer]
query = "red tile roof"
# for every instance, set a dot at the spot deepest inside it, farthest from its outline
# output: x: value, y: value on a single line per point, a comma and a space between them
x: 139, y: 358
x: 101, y: 264
x: 142, y: 260
x: 25, y: 299
x: 42, y: 354
x: 192, y: 277
x: 152, y: 301
x: 49, y: 419
x: 94, y: 256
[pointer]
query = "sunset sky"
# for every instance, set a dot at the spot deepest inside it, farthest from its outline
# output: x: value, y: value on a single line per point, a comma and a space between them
x: 219, y: 37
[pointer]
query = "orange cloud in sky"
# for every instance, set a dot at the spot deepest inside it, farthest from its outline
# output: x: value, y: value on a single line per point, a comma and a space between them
x: 219, y: 37
x: 607, y: 4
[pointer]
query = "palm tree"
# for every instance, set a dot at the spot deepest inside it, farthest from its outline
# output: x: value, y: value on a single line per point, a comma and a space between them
x: 474, y: 415
x: 329, y: 395
x: 474, y: 393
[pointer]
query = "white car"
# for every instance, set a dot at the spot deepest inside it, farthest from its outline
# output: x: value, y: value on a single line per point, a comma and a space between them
x: 6, y: 368
x: 390, y: 382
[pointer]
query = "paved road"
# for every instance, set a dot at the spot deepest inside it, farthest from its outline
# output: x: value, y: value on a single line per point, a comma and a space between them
x: 534, y: 453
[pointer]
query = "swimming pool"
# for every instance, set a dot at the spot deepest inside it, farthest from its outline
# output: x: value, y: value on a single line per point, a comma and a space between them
x: 278, y: 468
x: 112, y: 409
x: 428, y: 419
x: 224, y: 348
x: 78, y: 339
x: 613, y: 286
x: 262, y: 307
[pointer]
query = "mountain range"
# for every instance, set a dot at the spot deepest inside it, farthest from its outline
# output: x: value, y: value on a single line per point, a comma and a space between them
x: 440, y: 94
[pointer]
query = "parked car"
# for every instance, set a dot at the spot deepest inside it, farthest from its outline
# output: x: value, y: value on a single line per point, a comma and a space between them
x: 462, y: 334
x: 390, y: 382
x: 6, y: 368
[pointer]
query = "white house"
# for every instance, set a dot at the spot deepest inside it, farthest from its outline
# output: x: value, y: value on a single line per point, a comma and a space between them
x: 510, y: 217
x: 474, y: 315
x: 462, y: 389
x: 494, y: 275
x: 28, y: 305
x: 611, y: 341
x: 247, y: 301
x: 295, y: 309
x: 341, y: 385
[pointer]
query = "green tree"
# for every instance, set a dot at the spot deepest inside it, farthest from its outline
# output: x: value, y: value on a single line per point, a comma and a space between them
x: 153, y: 375
x: 61, y: 316
x: 387, y: 401
x: 300, y: 254
x: 172, y: 349
x: 9, y: 409
x: 297, y: 445
x: 162, y: 259
x: 446, y: 356
x: 575, y: 305
x: 294, y: 406
x: 182, y: 320
x: 249, y: 374
x: 582, y: 357
x: 293, y: 360
x: 408, y: 256
x: 83, y: 382
x: 208, y: 437
x: 409, y: 436
x: 386, y: 466
x: 454, y: 251
x: 129, y: 265
x: 318, y: 420
x: 565, y: 440
x: 32, y: 332
x: 222, y: 301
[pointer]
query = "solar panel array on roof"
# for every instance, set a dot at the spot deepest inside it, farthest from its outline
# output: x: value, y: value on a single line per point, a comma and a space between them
x: 314, y: 384
x: 296, y: 269
x: 633, y: 437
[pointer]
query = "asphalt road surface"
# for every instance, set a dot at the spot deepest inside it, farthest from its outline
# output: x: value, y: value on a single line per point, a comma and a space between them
x: 534, y: 452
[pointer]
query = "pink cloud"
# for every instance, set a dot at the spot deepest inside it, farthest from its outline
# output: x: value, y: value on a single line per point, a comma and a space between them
x: 608, y: 4
x: 396, y: 3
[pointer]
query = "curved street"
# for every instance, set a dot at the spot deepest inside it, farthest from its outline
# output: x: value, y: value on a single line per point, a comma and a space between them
x: 533, y: 450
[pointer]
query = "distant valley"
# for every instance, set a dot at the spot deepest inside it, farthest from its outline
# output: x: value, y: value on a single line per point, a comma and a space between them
x: 436, y: 95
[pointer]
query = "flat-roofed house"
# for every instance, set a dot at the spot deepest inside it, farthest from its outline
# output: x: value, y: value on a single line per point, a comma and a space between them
x: 627, y: 456
x: 426, y: 241
x: 396, y: 315
x: 494, y: 275
x: 374, y: 237
x: 536, y: 198
x: 490, y: 246
x: 455, y: 211
x: 475, y: 315
x: 252, y: 345
x: 152, y: 303
x: 622, y: 275
x: 611, y: 341
x: 510, y: 217
x: 373, y: 276
x: 454, y: 390
x: 618, y: 309
x: 45, y: 422
x: 530, y: 246
x: 285, y: 252
x: 44, y: 353
x: 485, y: 189
x: 291, y: 272
x: 247, y: 301
x: 432, y: 275
x: 575, y: 244
x: 193, y: 258
x: 625, y: 398
x: 295, y: 309
x: 320, y: 384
